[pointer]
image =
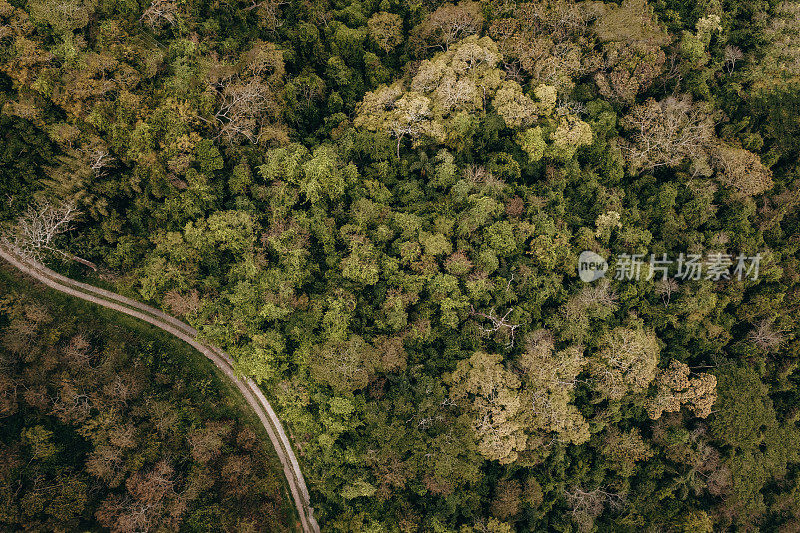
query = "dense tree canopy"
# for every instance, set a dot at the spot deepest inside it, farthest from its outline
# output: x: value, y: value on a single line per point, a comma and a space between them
x: 378, y: 209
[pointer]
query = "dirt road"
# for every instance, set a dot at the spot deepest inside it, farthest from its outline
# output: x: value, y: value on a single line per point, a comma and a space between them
x: 250, y: 391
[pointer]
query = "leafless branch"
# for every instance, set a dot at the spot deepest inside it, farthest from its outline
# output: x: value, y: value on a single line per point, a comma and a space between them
x: 160, y: 13
x: 497, y: 324
x: 243, y: 106
x: 33, y: 236
x: 766, y: 337
x: 665, y: 288
x: 732, y: 55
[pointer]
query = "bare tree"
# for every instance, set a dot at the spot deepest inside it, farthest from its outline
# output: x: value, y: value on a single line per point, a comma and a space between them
x: 672, y: 71
x: 665, y: 288
x: 150, y: 502
x: 513, y: 71
x: 668, y: 132
x: 596, y: 297
x: 34, y: 234
x: 732, y: 55
x: 766, y: 337
x: 570, y: 107
x: 268, y: 12
x: 588, y: 505
x: 78, y: 353
x: 476, y: 173
x: 498, y: 324
x: 243, y: 107
x: 160, y: 13
x: 99, y: 160
x: 71, y: 403
x: 400, y: 130
x: 248, y: 108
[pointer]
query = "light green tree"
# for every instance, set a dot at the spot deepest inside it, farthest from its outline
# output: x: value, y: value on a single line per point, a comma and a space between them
x: 489, y: 392
x: 627, y: 362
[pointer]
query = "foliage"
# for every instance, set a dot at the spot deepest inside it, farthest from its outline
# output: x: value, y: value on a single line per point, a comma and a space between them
x: 102, y: 427
x: 378, y: 209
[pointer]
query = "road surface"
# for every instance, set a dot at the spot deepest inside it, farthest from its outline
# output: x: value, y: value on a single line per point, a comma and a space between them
x: 250, y: 391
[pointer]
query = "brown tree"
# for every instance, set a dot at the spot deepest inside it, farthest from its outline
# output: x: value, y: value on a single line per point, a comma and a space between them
x: 206, y: 442
x: 9, y: 392
x: 63, y: 15
x: 183, y: 304
x: 507, y: 499
x: 150, y: 502
x: 450, y: 23
x: 107, y: 462
x: 675, y: 388
x: 100, y: 78
x: 741, y: 169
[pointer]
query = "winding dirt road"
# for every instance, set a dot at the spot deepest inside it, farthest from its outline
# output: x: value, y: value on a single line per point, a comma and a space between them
x: 252, y: 394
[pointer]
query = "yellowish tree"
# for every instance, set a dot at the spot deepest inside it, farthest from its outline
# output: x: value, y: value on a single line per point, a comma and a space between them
x: 386, y: 29
x: 345, y: 366
x: 780, y: 64
x: 741, y: 169
x: 675, y: 388
x: 550, y: 377
x: 625, y: 449
x: 489, y: 393
x: 548, y: 41
x: 626, y: 363
x: 451, y: 92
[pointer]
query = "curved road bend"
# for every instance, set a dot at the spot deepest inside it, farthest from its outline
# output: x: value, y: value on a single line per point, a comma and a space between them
x: 248, y: 388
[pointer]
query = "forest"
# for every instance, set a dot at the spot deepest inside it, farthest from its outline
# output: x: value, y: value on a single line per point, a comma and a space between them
x: 381, y: 210
x: 106, y: 428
